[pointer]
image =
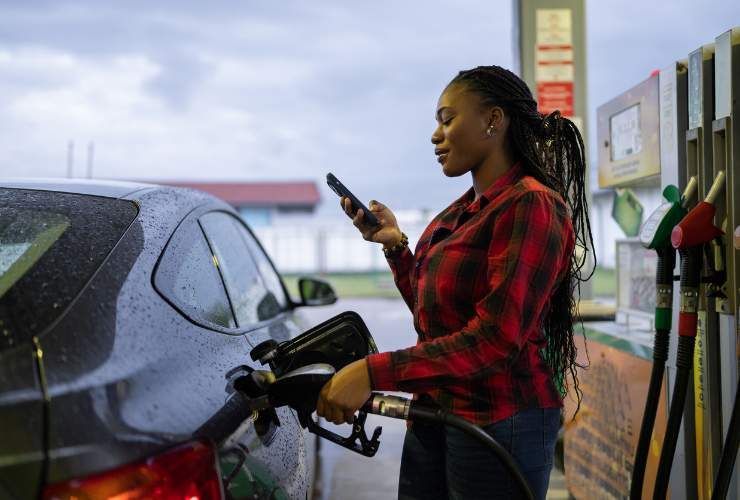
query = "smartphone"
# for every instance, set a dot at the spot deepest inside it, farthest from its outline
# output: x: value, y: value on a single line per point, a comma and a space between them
x: 341, y: 190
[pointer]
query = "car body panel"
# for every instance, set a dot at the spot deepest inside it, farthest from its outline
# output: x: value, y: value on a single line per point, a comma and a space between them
x: 108, y: 189
x: 21, y: 425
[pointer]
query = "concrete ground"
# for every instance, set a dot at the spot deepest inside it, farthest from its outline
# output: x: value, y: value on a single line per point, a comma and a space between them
x: 348, y: 475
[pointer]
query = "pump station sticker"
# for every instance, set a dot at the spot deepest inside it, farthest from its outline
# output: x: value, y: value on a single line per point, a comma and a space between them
x: 553, y: 57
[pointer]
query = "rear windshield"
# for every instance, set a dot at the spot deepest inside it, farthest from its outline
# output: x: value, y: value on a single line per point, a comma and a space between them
x: 50, y: 245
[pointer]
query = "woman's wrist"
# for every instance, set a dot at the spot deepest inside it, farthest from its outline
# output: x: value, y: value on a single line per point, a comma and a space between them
x: 395, y: 247
x: 394, y: 241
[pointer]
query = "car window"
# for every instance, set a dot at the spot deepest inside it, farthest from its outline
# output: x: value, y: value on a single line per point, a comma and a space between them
x: 188, y: 277
x: 269, y: 275
x: 43, y: 238
x: 252, y: 300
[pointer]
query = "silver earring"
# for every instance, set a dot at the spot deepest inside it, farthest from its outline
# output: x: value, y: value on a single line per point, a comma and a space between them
x: 490, y: 131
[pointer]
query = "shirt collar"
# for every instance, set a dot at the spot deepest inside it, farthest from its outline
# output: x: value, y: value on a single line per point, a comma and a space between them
x: 509, y: 178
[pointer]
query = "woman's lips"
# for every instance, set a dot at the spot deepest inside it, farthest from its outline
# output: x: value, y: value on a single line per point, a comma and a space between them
x: 442, y: 158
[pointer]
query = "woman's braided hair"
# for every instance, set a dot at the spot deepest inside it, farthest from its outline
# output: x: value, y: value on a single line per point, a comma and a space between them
x: 550, y: 148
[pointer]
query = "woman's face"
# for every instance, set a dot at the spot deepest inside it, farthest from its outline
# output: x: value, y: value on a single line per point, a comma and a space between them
x: 460, y: 139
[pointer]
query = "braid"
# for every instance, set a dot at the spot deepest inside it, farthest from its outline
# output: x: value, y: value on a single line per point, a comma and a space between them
x: 551, y: 150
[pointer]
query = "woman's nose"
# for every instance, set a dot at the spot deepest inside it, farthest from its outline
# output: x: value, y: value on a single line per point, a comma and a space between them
x: 436, y: 136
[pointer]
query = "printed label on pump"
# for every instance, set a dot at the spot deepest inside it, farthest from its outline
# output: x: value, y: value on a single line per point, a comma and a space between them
x: 647, y: 233
x: 695, y: 89
x: 553, y: 59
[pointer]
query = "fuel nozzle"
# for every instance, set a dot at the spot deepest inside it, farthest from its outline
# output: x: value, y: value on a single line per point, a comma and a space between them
x: 300, y: 388
x: 388, y: 406
x: 689, y: 236
x: 656, y: 231
x: 697, y: 228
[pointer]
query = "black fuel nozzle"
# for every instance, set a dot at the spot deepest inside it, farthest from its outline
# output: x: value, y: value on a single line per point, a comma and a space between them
x: 300, y: 367
x: 300, y: 390
x: 265, y: 352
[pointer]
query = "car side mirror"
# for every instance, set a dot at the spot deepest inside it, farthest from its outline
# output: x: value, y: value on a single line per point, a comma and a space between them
x: 315, y: 292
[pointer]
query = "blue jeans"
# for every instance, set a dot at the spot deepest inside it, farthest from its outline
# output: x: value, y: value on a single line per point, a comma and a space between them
x: 442, y: 463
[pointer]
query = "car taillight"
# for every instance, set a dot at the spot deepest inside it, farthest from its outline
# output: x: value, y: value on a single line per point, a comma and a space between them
x: 186, y: 472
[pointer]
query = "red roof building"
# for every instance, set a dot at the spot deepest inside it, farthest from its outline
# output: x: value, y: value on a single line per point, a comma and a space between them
x: 260, y: 202
x: 259, y: 194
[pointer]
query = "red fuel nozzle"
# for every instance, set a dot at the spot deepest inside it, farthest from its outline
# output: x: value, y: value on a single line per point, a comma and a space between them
x: 696, y: 228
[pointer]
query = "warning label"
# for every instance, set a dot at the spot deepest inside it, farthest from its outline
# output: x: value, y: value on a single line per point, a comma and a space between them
x: 552, y: 96
x: 554, y: 73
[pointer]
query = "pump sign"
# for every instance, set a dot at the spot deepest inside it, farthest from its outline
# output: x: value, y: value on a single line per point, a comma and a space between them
x: 553, y: 58
x: 625, y: 133
x: 628, y: 132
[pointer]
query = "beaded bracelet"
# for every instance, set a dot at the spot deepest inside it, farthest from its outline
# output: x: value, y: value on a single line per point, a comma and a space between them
x: 397, y: 248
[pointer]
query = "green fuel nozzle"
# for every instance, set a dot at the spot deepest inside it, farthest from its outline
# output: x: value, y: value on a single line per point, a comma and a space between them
x: 656, y: 234
x: 656, y: 231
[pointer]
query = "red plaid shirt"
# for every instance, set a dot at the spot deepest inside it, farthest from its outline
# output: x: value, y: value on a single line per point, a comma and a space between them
x: 479, y: 286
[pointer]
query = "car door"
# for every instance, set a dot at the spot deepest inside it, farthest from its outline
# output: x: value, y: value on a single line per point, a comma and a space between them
x: 261, y: 308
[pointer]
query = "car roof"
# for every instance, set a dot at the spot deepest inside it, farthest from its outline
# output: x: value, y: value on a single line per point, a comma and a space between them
x: 95, y: 187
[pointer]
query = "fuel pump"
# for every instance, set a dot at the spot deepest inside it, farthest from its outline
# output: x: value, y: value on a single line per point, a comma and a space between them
x: 656, y: 234
x: 732, y: 440
x: 729, y: 455
x: 690, y: 237
x: 700, y: 140
x: 726, y: 158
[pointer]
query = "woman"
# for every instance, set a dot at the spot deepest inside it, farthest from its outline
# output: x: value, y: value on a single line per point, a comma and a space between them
x: 491, y: 287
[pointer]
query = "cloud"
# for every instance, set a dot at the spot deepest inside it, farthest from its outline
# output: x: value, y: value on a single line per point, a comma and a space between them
x: 282, y: 90
x: 278, y: 92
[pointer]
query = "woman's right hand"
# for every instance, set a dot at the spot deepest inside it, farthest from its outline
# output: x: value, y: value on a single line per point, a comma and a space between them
x: 387, y: 233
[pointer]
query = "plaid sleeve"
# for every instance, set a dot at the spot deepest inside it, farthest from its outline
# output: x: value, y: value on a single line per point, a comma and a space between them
x: 401, y: 266
x: 525, y: 258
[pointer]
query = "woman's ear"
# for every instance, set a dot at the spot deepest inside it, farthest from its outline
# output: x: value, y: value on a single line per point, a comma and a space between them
x: 496, y: 118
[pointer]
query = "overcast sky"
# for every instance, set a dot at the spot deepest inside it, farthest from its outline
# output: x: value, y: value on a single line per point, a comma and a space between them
x: 260, y: 90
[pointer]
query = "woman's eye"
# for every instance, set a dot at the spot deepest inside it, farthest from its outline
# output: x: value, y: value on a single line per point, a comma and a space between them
x: 447, y: 122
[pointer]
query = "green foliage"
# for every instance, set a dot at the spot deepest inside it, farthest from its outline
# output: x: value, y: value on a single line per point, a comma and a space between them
x: 380, y: 284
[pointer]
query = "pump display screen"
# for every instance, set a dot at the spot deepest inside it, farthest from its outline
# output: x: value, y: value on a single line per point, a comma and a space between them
x: 626, y: 136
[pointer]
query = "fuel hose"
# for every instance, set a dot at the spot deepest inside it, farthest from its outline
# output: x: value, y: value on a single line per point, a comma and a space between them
x: 687, y: 322
x: 406, y: 409
x: 664, y: 282
x: 689, y: 236
x: 729, y: 454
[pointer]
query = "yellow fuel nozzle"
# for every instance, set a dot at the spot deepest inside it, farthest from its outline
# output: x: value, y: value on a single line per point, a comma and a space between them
x: 689, y: 192
x: 717, y: 186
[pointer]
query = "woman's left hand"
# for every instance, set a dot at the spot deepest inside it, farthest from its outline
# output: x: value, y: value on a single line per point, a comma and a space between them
x: 344, y: 393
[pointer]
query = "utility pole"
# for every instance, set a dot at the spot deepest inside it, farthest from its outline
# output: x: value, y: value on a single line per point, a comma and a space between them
x: 90, y: 159
x: 70, y: 158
